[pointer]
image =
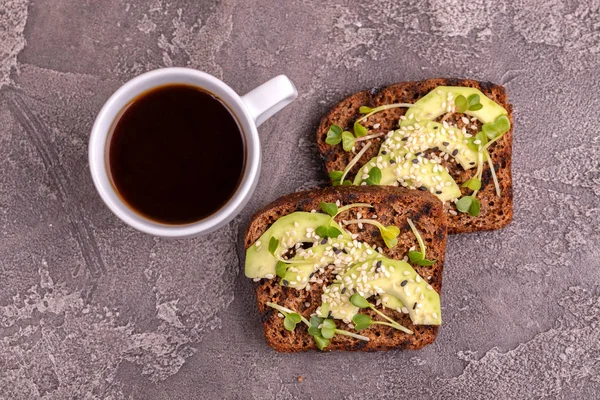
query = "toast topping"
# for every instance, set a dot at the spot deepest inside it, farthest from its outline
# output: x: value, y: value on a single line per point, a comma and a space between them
x: 414, y: 155
x: 301, y: 247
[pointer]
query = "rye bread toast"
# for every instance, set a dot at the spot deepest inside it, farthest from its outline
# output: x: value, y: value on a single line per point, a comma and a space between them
x: 496, y: 212
x: 392, y: 206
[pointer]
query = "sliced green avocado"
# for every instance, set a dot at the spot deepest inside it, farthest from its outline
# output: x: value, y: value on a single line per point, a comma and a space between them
x: 395, y: 278
x: 433, y: 177
x: 305, y: 262
x: 437, y: 102
x: 288, y: 230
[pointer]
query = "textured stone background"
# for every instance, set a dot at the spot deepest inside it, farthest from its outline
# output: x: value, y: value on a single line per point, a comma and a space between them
x: 89, y: 308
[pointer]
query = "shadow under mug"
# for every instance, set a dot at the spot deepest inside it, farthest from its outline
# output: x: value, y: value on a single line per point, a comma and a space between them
x: 250, y: 111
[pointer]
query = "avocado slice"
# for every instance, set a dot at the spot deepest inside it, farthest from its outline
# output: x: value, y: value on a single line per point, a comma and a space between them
x: 288, y: 230
x: 406, y: 172
x: 440, y: 101
x: 335, y: 252
x: 394, y: 278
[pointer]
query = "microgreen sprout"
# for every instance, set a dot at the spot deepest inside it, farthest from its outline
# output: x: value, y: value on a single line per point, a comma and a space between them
x: 462, y: 104
x: 362, y: 321
x: 374, y: 176
x: 468, y: 204
x: 353, y: 162
x: 417, y: 257
x: 334, y: 135
x: 370, y: 111
x: 273, y: 244
x: 290, y: 321
x: 389, y: 234
x: 329, y: 208
x: 497, y: 128
x: 286, y: 311
x: 353, y: 205
x: 359, y: 130
x: 473, y: 184
x: 493, y: 172
x: 328, y: 231
x: 281, y: 269
x: 321, y: 329
x: 335, y: 177
x: 348, y: 140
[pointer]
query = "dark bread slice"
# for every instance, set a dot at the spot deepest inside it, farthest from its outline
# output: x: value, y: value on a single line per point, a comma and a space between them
x: 496, y: 212
x: 392, y: 206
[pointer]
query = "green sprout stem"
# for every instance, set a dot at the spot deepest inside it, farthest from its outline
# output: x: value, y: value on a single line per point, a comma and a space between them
x: 479, y: 172
x: 354, y: 161
x: 354, y: 205
x: 285, y: 311
x: 392, y: 323
x: 354, y: 335
x: 413, y: 228
x: 383, y: 108
x: 369, y: 137
x: 365, y: 221
x: 493, y: 172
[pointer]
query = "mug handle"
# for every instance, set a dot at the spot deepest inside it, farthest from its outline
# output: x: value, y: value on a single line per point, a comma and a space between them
x: 269, y: 98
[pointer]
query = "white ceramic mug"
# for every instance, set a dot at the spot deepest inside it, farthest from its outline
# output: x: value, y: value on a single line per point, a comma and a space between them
x: 250, y: 110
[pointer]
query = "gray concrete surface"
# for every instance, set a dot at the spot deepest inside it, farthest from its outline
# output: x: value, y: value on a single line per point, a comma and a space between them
x: 90, y: 309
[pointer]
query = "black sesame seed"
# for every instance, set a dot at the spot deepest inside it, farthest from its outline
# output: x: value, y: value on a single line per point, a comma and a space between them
x: 435, y: 127
x: 345, y: 251
x: 438, y: 192
x: 392, y: 162
x: 404, y: 139
x: 384, y: 152
x: 285, y: 283
x: 404, y: 282
x: 472, y: 163
x: 378, y: 264
x: 415, y: 161
x: 455, y: 152
x: 343, y: 290
x: 311, y: 275
x: 329, y: 313
x: 418, y: 154
x: 435, y: 148
x: 445, y: 143
x: 324, y: 241
x: 423, y: 188
x: 336, y: 250
x: 414, y: 305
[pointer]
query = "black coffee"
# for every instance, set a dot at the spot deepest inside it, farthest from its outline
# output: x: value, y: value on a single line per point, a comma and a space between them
x: 176, y: 154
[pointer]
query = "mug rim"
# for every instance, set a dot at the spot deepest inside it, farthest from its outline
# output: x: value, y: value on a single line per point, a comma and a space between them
x: 113, y: 107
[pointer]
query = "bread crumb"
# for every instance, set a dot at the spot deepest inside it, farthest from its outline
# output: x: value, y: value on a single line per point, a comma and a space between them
x: 300, y: 378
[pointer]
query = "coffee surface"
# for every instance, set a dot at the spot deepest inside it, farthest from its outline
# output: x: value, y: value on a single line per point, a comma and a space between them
x: 176, y: 154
